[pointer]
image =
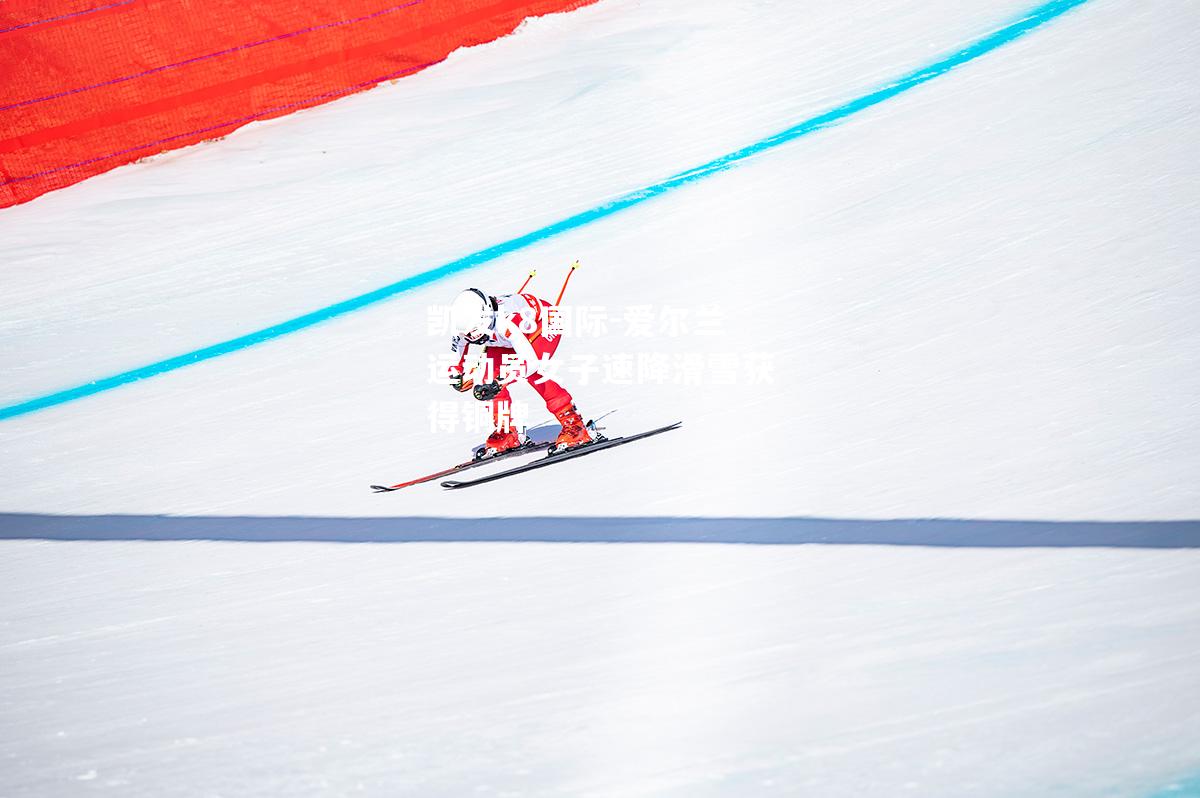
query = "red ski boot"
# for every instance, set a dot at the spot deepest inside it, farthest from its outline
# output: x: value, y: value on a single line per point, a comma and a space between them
x: 501, y: 441
x: 574, y: 431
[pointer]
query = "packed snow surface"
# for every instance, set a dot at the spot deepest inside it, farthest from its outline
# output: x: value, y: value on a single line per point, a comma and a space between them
x: 976, y: 301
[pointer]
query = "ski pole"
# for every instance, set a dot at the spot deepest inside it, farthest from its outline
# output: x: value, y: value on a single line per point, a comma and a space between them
x: 527, y: 279
x: 574, y: 266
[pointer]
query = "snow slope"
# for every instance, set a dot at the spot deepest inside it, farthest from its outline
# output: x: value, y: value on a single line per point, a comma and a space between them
x: 973, y: 290
x: 980, y: 303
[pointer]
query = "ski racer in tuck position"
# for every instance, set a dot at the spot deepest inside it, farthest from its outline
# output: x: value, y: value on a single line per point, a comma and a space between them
x: 512, y: 330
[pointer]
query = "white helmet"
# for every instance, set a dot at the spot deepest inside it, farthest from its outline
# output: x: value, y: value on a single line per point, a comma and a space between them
x: 473, y: 316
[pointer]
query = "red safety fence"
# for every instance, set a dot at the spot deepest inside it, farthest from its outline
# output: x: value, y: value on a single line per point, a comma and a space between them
x: 88, y: 85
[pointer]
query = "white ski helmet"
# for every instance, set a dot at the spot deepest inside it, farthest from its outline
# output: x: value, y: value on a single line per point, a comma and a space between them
x: 473, y: 315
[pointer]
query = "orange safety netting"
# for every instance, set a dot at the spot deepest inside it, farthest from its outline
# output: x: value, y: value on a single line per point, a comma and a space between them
x: 88, y: 85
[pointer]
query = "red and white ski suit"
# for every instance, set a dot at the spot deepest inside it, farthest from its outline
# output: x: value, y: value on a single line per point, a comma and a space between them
x: 513, y: 312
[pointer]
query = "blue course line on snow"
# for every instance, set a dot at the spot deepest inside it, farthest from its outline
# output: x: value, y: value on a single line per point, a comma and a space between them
x: 1032, y: 20
x: 1183, y: 788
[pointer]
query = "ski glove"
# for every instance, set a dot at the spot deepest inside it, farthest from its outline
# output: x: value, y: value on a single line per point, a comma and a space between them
x: 485, y: 392
x: 457, y: 382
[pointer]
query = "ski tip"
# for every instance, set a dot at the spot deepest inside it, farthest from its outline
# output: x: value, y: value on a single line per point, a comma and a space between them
x: 381, y: 489
x: 451, y: 484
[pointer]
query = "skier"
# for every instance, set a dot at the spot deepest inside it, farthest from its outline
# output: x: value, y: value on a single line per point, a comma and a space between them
x: 510, y: 326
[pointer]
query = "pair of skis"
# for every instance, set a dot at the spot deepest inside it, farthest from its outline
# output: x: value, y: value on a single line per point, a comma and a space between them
x: 548, y: 459
x: 475, y: 463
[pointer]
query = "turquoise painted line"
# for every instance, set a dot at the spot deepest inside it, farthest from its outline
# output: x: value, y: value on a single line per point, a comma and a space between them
x: 1184, y: 788
x: 1034, y: 19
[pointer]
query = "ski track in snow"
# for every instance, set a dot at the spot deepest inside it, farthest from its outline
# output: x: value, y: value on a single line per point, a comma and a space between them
x: 992, y: 314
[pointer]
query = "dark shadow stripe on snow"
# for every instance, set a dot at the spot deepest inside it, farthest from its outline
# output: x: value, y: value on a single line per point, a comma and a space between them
x: 762, y: 531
